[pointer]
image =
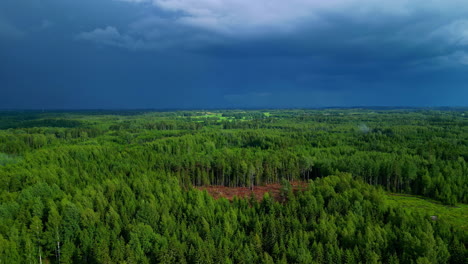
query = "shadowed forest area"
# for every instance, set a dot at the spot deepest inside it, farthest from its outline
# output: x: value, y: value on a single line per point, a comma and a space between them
x: 129, y: 186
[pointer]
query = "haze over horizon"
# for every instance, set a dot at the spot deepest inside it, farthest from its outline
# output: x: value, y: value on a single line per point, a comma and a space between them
x: 179, y: 54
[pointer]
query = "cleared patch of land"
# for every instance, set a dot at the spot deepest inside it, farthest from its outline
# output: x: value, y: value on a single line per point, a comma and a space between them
x: 245, y: 192
x: 455, y: 215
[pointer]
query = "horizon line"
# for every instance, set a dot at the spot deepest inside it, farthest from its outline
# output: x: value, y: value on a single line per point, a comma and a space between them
x: 166, y: 109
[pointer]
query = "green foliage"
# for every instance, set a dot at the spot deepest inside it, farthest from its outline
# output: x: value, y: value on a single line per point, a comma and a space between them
x: 7, y: 159
x: 456, y: 215
x: 116, y: 187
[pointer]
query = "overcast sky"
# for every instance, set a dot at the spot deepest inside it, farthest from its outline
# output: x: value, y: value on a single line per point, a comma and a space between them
x: 232, y: 53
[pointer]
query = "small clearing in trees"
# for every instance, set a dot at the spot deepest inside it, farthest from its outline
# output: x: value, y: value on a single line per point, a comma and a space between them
x: 229, y: 193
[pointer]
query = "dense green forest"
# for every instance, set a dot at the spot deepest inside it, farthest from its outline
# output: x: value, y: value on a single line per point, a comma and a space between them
x: 118, y: 186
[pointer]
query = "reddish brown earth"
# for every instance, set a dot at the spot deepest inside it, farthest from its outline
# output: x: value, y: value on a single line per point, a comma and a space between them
x: 245, y: 192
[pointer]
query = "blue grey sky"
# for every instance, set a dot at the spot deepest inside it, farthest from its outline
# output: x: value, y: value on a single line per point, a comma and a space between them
x: 76, y: 54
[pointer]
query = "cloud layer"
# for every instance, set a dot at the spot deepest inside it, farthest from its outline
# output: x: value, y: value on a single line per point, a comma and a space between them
x: 232, y: 53
x: 249, y: 16
x: 305, y: 27
x: 109, y: 36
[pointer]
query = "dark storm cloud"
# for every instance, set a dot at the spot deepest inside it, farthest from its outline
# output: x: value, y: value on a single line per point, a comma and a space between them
x: 232, y: 53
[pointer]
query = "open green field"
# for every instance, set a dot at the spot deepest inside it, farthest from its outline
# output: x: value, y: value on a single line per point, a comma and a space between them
x: 211, y: 115
x: 455, y: 215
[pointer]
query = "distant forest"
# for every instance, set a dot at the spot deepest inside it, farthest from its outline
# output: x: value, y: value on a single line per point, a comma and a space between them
x: 119, y: 186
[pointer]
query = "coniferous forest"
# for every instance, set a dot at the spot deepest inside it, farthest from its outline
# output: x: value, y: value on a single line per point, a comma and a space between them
x: 122, y: 186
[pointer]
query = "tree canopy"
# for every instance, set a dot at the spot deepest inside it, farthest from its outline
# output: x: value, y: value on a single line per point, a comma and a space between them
x: 117, y: 187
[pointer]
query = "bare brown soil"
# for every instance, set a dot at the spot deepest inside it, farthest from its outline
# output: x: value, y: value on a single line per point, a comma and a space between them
x: 245, y: 192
